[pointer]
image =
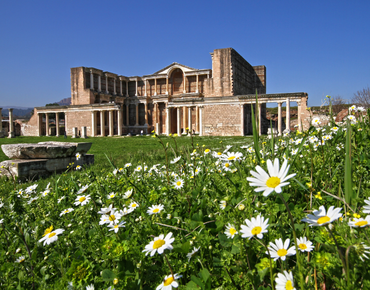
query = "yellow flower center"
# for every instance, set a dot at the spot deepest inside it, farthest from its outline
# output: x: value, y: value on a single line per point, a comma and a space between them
x: 302, y: 246
x: 231, y: 158
x: 178, y: 183
x: 361, y: 223
x: 81, y: 199
x: 232, y: 231
x: 323, y: 220
x: 116, y: 226
x: 112, y: 217
x: 288, y: 285
x: 134, y: 205
x: 52, y: 235
x: 207, y: 150
x: 168, y: 281
x: 158, y: 243
x: 48, y: 230
x: 227, y: 165
x: 282, y: 252
x: 219, y: 153
x: 256, y: 230
x: 156, y: 210
x: 273, y: 181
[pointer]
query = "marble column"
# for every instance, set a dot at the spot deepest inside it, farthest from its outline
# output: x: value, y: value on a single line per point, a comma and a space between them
x: 197, y: 120
x: 110, y: 124
x: 279, y: 119
x: 168, y: 121
x: 91, y: 80
x: 93, y: 123
x: 106, y: 85
x: 127, y: 115
x: 156, y: 114
x: 184, y: 91
x: 299, y: 116
x: 178, y: 121
x: 46, y: 124
x: 102, y: 123
x: 39, y: 123
x: 11, y: 125
x: 184, y: 118
x: 145, y: 85
x: 136, y: 87
x: 197, y: 90
x: 242, y: 120
x: 200, y: 121
x: 120, y: 121
x: 146, y: 114
x: 137, y: 115
x: 155, y: 87
x: 57, y: 124
x: 190, y: 124
x: 167, y: 85
x: 1, y: 122
x: 287, y: 111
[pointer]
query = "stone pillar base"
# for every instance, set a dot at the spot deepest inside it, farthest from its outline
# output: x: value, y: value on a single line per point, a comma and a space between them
x: 11, y: 135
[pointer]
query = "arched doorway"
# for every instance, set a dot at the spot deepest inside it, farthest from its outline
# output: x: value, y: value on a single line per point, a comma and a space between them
x: 177, y: 79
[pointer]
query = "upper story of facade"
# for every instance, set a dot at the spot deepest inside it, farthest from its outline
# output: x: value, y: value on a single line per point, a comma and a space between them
x: 230, y: 75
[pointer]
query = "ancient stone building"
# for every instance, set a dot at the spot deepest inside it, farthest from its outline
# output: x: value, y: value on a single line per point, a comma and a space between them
x: 213, y: 101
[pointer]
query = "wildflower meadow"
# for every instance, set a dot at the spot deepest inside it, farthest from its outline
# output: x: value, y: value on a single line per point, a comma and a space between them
x: 289, y: 212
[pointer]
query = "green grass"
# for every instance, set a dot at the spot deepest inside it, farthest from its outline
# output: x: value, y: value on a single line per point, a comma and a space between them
x: 138, y: 149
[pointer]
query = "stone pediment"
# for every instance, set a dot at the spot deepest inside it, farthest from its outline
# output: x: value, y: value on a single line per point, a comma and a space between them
x: 168, y: 69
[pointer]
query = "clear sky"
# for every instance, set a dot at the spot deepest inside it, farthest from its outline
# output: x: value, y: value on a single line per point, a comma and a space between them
x: 319, y: 47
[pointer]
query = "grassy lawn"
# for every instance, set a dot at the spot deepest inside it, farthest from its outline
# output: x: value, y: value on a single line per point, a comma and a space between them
x: 134, y: 149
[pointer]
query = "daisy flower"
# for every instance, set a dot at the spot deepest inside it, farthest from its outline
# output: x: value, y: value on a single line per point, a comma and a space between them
x: 78, y: 167
x: 285, y: 281
x: 316, y: 122
x: 207, y: 151
x: 304, y: 245
x: 90, y: 287
x: 111, y: 195
x: 116, y: 227
x: 226, y: 166
x: 280, y: 250
x: 138, y: 168
x: 169, y: 282
x: 20, y: 259
x: 232, y: 156
x: 128, y: 165
x: 60, y: 199
x: 32, y: 200
x: 360, y: 222
x: 114, y: 216
x: 82, y: 199
x: 133, y: 205
x: 230, y: 231
x: 159, y: 244
x: 320, y: 217
x: 155, y: 209
x: 178, y: 183
x: 126, y: 211
x: 192, y: 253
x: 223, y: 204
x: 128, y: 194
x: 255, y: 227
x: 366, y: 207
x: 274, y: 180
x: 361, y: 249
x: 175, y: 160
x: 83, y: 189
x: 68, y: 210
x: 78, y: 156
x: 105, y: 210
x: 51, y: 237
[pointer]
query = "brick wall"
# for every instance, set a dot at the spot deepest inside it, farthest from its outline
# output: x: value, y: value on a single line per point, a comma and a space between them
x: 78, y: 119
x: 222, y: 120
x: 79, y: 94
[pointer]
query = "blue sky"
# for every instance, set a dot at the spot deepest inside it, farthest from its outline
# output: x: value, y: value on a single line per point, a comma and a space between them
x: 318, y: 47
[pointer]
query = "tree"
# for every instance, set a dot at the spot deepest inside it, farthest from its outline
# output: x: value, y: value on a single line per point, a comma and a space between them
x: 362, y: 98
x: 338, y: 104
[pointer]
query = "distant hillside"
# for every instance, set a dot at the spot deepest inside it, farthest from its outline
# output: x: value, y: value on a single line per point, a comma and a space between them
x: 18, y: 113
x: 65, y: 102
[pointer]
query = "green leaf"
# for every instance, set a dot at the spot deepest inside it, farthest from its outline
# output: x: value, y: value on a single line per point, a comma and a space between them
x: 224, y: 241
x: 205, y: 274
x: 108, y: 275
x: 197, y: 281
x: 191, y: 286
x: 235, y: 250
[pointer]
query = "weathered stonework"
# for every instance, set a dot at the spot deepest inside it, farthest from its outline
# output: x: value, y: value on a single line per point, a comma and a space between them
x: 208, y: 101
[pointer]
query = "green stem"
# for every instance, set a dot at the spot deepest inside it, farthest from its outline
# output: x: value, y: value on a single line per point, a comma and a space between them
x: 339, y: 251
x: 301, y: 279
x: 268, y: 251
x: 347, y: 266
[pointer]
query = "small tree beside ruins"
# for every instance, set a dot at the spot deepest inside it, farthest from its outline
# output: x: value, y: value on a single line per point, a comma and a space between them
x: 362, y: 98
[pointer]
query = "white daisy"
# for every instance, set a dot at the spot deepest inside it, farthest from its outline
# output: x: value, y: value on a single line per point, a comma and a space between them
x: 207, y: 151
x: 169, y: 282
x: 20, y: 259
x: 320, y: 217
x: 284, y: 281
x: 128, y: 194
x: 126, y: 211
x: 255, y: 227
x: 90, y: 287
x: 360, y: 222
x: 111, y: 195
x: 230, y: 231
x: 68, y: 210
x: 83, y: 189
x: 78, y: 167
x: 116, y: 227
x: 223, y: 204
x: 82, y: 199
x: 51, y: 237
x: 105, y: 210
x: 232, y: 156
x: 133, y: 205
x: 192, y: 253
x: 78, y: 156
x: 175, y: 160
x: 362, y: 250
x: 366, y: 207
x: 159, y: 244
x: 32, y: 200
x: 280, y: 250
x: 155, y: 209
x: 114, y: 216
x: 304, y: 245
x: 274, y: 180
x: 178, y: 183
x: 316, y: 121
x: 128, y: 165
x: 60, y: 199
x: 226, y: 166
x: 138, y: 168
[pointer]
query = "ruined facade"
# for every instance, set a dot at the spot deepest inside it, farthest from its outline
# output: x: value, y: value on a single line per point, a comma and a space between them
x: 209, y: 102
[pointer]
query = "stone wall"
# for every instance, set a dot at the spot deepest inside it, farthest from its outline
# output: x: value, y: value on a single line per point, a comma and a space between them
x: 79, y: 93
x: 222, y: 120
x: 79, y: 119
